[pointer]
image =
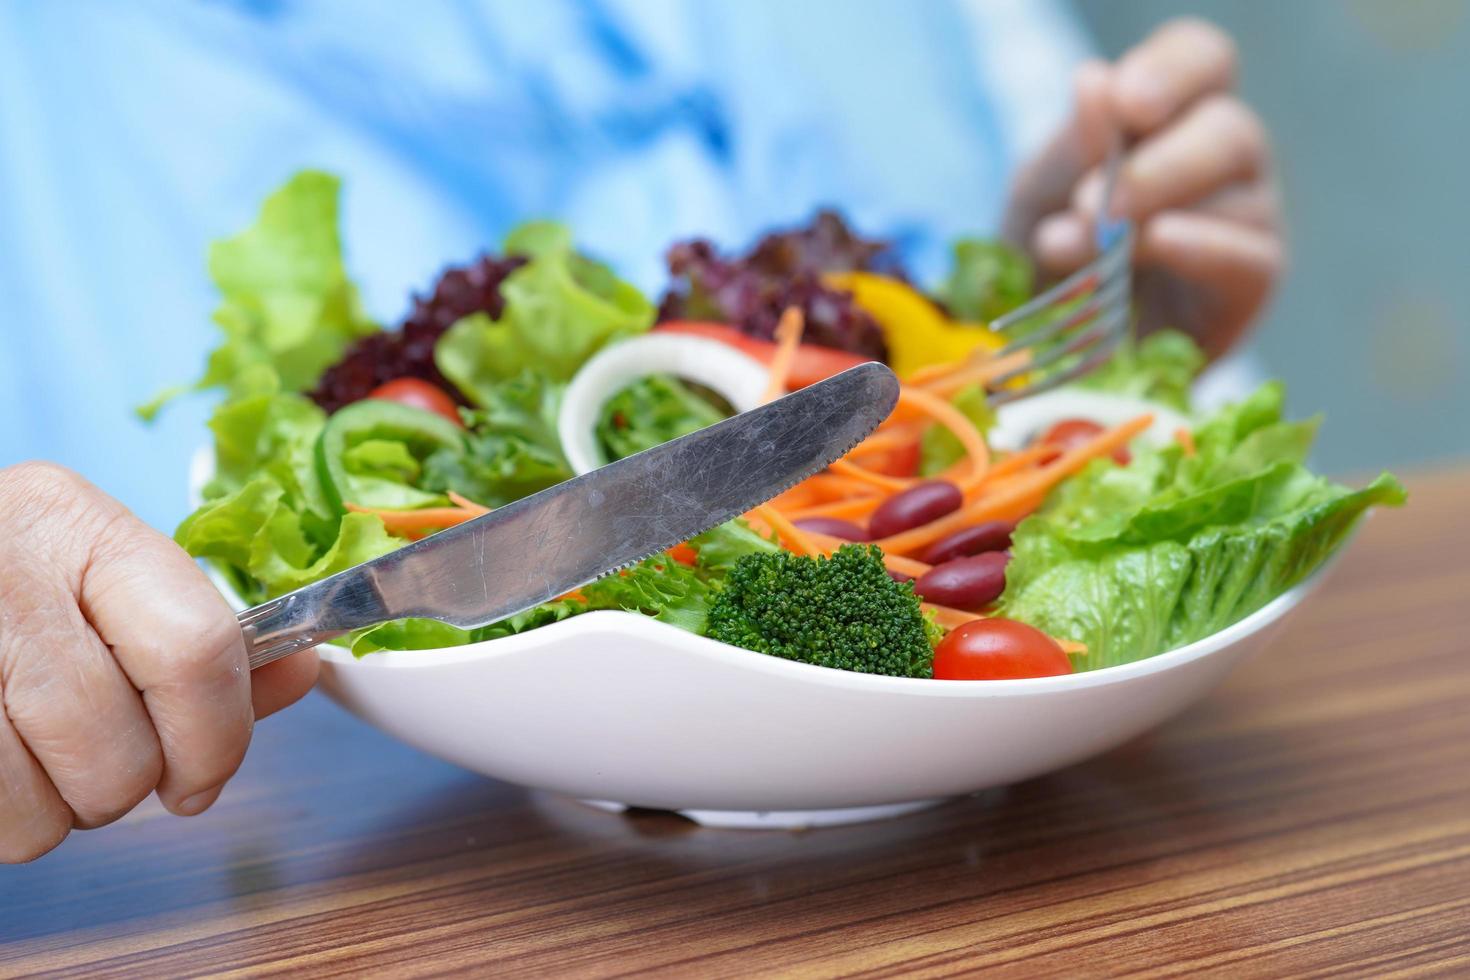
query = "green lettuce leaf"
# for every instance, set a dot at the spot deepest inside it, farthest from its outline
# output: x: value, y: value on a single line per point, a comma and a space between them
x: 257, y: 535
x: 649, y: 413
x: 428, y: 634
x: 225, y: 528
x: 987, y: 279
x: 1136, y: 560
x: 513, y: 449
x: 1160, y: 368
x: 280, y: 566
x: 658, y: 587
x: 718, y: 549
x: 560, y: 308
x: 274, y: 435
x: 287, y: 307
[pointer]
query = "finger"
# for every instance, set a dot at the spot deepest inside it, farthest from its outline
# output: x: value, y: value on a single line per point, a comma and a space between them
x: 1218, y: 142
x: 70, y: 704
x: 33, y: 816
x: 1256, y: 204
x: 1044, y: 183
x: 179, y: 643
x: 282, y: 683
x: 1181, y: 62
x: 1232, y: 266
x: 1062, y: 243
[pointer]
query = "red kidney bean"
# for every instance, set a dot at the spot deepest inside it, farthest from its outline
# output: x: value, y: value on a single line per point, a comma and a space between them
x: 900, y: 576
x: 919, y: 504
x: 833, y: 527
x: 965, y: 583
x: 990, y: 536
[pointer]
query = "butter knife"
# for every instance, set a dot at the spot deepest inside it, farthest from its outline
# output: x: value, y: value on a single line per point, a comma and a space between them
x: 545, y: 545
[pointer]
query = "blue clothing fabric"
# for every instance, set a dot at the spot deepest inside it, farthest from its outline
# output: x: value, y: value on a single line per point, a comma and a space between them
x: 133, y: 134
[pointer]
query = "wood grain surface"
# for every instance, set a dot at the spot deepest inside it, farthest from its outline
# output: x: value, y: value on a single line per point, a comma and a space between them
x: 1312, y: 817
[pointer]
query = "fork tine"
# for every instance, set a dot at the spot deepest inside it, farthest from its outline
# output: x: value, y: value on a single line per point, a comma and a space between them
x: 1092, y: 328
x: 1103, y: 351
x: 1069, y: 288
x: 1100, y: 324
x: 1103, y: 294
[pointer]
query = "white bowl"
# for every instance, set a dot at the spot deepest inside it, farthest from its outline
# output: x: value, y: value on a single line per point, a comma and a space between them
x: 613, y: 706
x: 616, y: 707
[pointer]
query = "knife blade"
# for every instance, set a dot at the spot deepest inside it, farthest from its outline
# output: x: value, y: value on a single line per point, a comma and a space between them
x: 545, y: 545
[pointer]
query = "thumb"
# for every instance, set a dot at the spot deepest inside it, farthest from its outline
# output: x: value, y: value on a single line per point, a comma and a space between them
x: 1044, y: 184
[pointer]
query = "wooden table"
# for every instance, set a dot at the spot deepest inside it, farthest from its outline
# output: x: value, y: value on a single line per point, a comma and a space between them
x: 1312, y: 817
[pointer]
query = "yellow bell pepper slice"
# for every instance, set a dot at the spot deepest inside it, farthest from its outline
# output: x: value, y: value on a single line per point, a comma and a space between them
x: 918, y: 333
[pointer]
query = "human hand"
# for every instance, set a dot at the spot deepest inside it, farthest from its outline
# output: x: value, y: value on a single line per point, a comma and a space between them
x: 122, y: 670
x: 1197, y: 181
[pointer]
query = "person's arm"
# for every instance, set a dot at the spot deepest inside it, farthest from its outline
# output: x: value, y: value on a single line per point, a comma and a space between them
x: 1197, y: 180
x: 122, y: 670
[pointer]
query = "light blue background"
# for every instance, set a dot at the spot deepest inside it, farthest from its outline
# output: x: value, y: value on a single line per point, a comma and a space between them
x: 132, y: 134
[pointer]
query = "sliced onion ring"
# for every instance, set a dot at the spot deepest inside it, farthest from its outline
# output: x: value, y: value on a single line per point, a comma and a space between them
x: 737, y: 377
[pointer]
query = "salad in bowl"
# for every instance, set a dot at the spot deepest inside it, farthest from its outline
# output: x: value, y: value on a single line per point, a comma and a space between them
x: 1063, y: 544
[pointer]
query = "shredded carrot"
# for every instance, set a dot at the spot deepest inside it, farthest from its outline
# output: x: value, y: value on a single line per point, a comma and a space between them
x: 851, y: 507
x: 1071, y: 647
x: 1019, y: 490
x: 955, y: 421
x: 833, y: 486
x: 843, y: 467
x: 758, y: 524
x: 976, y: 373
x: 895, y: 436
x: 918, y: 400
x: 1004, y: 467
x: 425, y: 520
x: 1023, y: 459
x: 417, y: 523
x: 1185, y: 438
x: 794, y: 537
x: 788, y: 337
x: 683, y: 554
x: 949, y: 617
x: 932, y: 372
x: 465, y: 503
x: 924, y: 403
x: 802, y: 495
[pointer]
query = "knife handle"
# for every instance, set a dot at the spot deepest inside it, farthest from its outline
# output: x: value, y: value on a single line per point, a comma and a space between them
x: 315, y: 614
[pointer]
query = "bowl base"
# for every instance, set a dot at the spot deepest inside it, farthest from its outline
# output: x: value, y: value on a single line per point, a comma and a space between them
x: 786, y: 819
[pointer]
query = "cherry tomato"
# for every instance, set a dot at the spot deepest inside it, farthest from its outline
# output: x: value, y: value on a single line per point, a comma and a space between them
x: 418, y: 393
x: 998, y: 649
x: 1071, y: 433
x: 812, y: 363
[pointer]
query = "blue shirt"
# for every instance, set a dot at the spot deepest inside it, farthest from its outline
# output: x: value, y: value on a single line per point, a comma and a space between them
x: 133, y: 134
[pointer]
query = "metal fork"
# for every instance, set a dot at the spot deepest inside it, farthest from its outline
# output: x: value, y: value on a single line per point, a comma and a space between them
x: 1074, y: 327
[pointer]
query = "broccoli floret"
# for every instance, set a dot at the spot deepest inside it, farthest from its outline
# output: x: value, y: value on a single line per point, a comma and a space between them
x: 843, y: 612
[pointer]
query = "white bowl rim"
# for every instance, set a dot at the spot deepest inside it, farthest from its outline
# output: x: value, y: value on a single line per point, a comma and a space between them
x: 663, y: 635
